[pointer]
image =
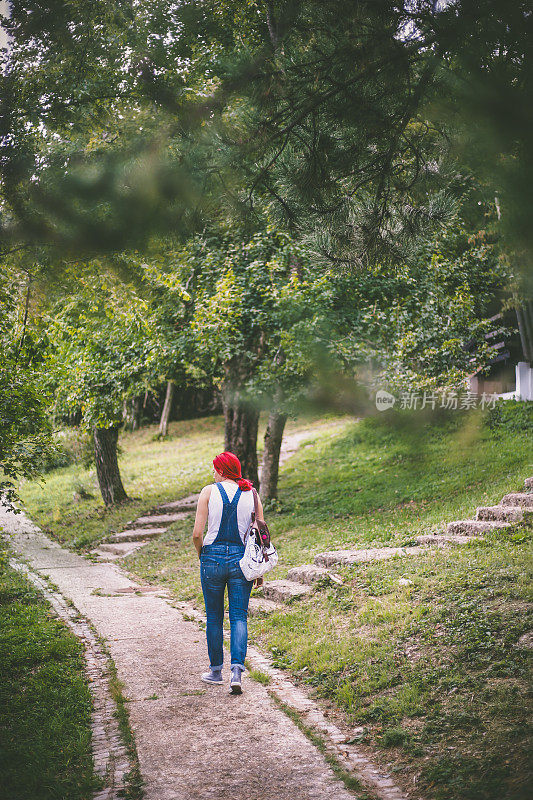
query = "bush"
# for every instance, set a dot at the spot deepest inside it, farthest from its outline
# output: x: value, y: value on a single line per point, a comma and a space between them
x: 71, y: 446
x: 513, y: 415
x: 394, y: 737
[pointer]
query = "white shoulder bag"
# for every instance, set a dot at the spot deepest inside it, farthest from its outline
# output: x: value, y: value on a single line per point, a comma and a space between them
x: 260, y: 555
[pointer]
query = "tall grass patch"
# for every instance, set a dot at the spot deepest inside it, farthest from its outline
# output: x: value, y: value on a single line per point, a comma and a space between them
x: 45, y: 703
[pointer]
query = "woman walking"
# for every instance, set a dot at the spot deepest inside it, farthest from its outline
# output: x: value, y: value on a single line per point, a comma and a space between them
x: 226, y: 506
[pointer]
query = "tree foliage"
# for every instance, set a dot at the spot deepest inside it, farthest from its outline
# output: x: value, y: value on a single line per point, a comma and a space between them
x: 354, y: 117
x: 111, y: 340
x: 25, y: 430
x: 425, y: 323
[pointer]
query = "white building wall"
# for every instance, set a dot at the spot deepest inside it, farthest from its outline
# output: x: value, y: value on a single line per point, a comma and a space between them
x: 524, y: 381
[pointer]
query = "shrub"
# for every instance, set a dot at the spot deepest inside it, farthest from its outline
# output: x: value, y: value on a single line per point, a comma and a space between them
x: 394, y: 737
x: 513, y: 415
x: 71, y: 446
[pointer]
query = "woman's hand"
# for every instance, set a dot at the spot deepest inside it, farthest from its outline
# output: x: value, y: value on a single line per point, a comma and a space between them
x: 257, y: 583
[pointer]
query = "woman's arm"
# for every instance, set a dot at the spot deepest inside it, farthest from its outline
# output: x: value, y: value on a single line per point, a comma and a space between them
x: 201, y: 518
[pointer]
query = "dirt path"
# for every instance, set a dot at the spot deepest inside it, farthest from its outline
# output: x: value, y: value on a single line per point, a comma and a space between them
x: 194, y: 742
x: 291, y: 442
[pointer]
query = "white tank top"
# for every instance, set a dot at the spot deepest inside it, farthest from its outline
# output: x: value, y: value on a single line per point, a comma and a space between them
x: 245, y: 506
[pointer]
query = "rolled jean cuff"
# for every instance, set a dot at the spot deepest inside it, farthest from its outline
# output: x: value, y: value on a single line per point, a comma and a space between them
x: 215, y: 669
x: 241, y: 667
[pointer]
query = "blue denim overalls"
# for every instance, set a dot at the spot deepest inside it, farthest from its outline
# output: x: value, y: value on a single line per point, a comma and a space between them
x: 220, y: 566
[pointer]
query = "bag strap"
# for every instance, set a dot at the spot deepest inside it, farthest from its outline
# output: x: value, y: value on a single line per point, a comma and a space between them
x: 256, y: 505
x: 254, y: 514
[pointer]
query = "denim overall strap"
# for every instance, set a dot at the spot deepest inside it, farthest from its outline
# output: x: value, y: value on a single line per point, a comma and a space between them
x: 228, y: 531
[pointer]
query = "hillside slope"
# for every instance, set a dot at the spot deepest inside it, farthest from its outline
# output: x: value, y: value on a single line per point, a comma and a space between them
x: 421, y: 657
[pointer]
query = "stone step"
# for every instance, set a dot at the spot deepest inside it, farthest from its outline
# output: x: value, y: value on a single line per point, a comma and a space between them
x: 136, y: 534
x: 117, y: 548
x: 102, y: 555
x: 185, y: 504
x: 443, y: 539
x: 505, y: 513
x: 523, y: 499
x: 159, y: 519
x: 347, y: 557
x: 472, y: 527
x: 260, y: 605
x: 528, y: 483
x: 283, y: 590
x: 311, y: 573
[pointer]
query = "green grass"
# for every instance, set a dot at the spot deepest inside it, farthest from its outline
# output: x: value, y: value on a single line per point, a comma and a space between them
x: 152, y: 472
x: 45, y: 703
x: 260, y: 676
x: 430, y: 670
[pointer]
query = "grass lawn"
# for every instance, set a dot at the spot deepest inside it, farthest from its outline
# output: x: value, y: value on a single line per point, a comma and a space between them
x: 429, y: 669
x: 45, y: 703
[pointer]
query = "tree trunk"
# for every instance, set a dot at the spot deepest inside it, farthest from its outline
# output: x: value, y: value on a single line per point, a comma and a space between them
x: 241, y: 419
x: 163, y: 423
x: 125, y: 414
x: 105, y: 455
x: 240, y: 436
x: 270, y: 467
x: 136, y: 416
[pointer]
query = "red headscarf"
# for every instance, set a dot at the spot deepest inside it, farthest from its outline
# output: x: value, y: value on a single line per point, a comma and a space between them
x: 229, y: 466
